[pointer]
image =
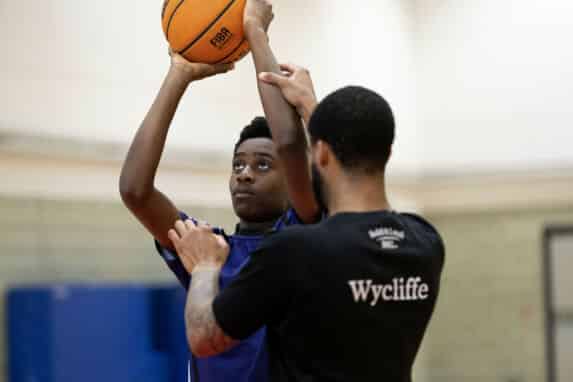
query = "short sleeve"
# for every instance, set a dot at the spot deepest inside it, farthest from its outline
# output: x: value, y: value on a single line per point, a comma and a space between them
x: 172, y: 259
x: 174, y: 264
x: 261, y: 293
x: 291, y: 218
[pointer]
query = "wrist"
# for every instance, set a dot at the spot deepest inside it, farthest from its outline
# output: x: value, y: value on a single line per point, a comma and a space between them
x: 206, y: 267
x: 181, y: 75
x: 253, y: 29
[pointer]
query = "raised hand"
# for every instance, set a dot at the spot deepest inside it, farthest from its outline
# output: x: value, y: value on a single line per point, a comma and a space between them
x: 195, y: 71
x: 296, y: 86
x: 197, y: 246
x: 258, y: 14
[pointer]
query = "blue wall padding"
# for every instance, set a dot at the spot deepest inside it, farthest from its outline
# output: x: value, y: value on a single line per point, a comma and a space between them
x: 65, y: 333
x: 29, y: 335
x: 169, y: 334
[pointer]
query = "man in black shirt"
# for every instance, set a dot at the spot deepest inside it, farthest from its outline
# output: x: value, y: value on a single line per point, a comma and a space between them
x: 348, y: 299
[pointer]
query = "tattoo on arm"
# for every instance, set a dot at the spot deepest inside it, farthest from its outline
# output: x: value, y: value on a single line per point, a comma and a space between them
x: 204, y: 335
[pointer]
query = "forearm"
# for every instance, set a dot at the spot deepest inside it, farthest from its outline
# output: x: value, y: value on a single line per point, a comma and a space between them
x: 140, y: 166
x: 288, y: 132
x: 306, y: 108
x: 204, y: 336
x: 283, y: 119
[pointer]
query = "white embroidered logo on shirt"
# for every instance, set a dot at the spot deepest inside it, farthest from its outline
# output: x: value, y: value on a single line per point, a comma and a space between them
x: 389, y: 238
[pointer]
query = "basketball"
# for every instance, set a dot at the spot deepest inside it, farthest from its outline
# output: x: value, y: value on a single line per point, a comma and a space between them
x: 207, y: 31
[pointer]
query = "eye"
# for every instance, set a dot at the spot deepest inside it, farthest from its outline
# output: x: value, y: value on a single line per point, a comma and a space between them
x: 263, y: 166
x: 238, y: 166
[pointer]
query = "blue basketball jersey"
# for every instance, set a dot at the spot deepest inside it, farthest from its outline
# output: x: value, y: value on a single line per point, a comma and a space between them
x: 248, y: 361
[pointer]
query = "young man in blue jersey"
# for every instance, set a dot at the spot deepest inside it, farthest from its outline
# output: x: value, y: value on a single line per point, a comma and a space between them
x: 268, y: 176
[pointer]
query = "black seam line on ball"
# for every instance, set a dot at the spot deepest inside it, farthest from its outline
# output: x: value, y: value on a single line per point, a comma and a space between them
x: 208, y: 28
x: 172, y: 16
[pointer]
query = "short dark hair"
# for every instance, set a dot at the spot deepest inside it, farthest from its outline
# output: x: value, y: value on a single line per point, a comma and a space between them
x: 359, y: 126
x: 258, y: 128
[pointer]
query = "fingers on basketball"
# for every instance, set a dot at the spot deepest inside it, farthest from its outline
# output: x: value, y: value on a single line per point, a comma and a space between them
x: 224, y: 68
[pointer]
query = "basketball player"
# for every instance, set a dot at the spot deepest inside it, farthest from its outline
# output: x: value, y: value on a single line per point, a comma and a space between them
x: 348, y: 299
x: 260, y: 194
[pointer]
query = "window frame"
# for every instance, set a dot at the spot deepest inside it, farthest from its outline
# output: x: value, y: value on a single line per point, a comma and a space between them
x: 549, y: 234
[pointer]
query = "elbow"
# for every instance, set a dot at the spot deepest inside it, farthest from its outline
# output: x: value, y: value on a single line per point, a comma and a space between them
x: 285, y: 140
x: 200, y: 346
x: 291, y: 145
x: 133, y: 194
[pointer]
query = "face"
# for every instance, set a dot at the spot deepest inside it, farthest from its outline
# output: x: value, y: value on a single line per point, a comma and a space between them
x: 257, y: 183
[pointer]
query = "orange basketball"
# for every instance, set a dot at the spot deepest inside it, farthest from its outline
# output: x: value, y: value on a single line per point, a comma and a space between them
x: 209, y: 31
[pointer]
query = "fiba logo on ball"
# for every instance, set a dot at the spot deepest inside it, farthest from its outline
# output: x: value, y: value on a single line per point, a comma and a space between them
x: 221, y: 38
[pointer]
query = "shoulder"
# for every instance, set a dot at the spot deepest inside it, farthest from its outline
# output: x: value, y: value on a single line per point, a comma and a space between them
x: 419, y: 223
x: 292, y: 233
x: 424, y: 230
x: 285, y: 255
x: 217, y: 230
x: 295, y: 240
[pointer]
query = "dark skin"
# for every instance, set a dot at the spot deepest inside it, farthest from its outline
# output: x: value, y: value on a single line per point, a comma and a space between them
x: 284, y: 121
x: 257, y: 185
x: 156, y: 212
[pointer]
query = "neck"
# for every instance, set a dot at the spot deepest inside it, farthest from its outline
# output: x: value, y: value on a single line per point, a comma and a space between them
x: 358, y: 193
x: 254, y: 228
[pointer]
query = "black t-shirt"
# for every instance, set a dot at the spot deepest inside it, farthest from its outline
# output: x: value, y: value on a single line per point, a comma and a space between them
x: 348, y: 299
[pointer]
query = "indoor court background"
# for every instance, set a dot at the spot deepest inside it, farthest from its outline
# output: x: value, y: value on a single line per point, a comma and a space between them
x: 482, y: 94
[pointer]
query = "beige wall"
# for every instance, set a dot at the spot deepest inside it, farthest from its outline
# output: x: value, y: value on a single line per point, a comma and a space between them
x: 489, y: 322
x: 59, y: 241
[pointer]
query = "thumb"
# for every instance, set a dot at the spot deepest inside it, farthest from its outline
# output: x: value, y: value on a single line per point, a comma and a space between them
x: 273, y: 79
x: 223, y: 68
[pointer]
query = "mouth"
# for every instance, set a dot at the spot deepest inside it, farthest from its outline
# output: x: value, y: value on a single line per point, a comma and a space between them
x: 243, y: 194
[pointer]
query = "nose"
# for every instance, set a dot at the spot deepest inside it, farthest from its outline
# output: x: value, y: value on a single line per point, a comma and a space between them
x: 246, y: 175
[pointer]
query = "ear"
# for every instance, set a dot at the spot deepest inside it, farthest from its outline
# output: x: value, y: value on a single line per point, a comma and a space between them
x: 323, y: 153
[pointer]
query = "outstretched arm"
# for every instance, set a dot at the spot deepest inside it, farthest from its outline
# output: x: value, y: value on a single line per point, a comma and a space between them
x: 284, y: 121
x: 296, y: 86
x: 204, y: 335
x: 217, y: 320
x: 203, y: 254
x: 137, y: 182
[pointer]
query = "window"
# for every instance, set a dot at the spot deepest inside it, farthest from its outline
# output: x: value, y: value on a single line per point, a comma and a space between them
x: 558, y: 262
